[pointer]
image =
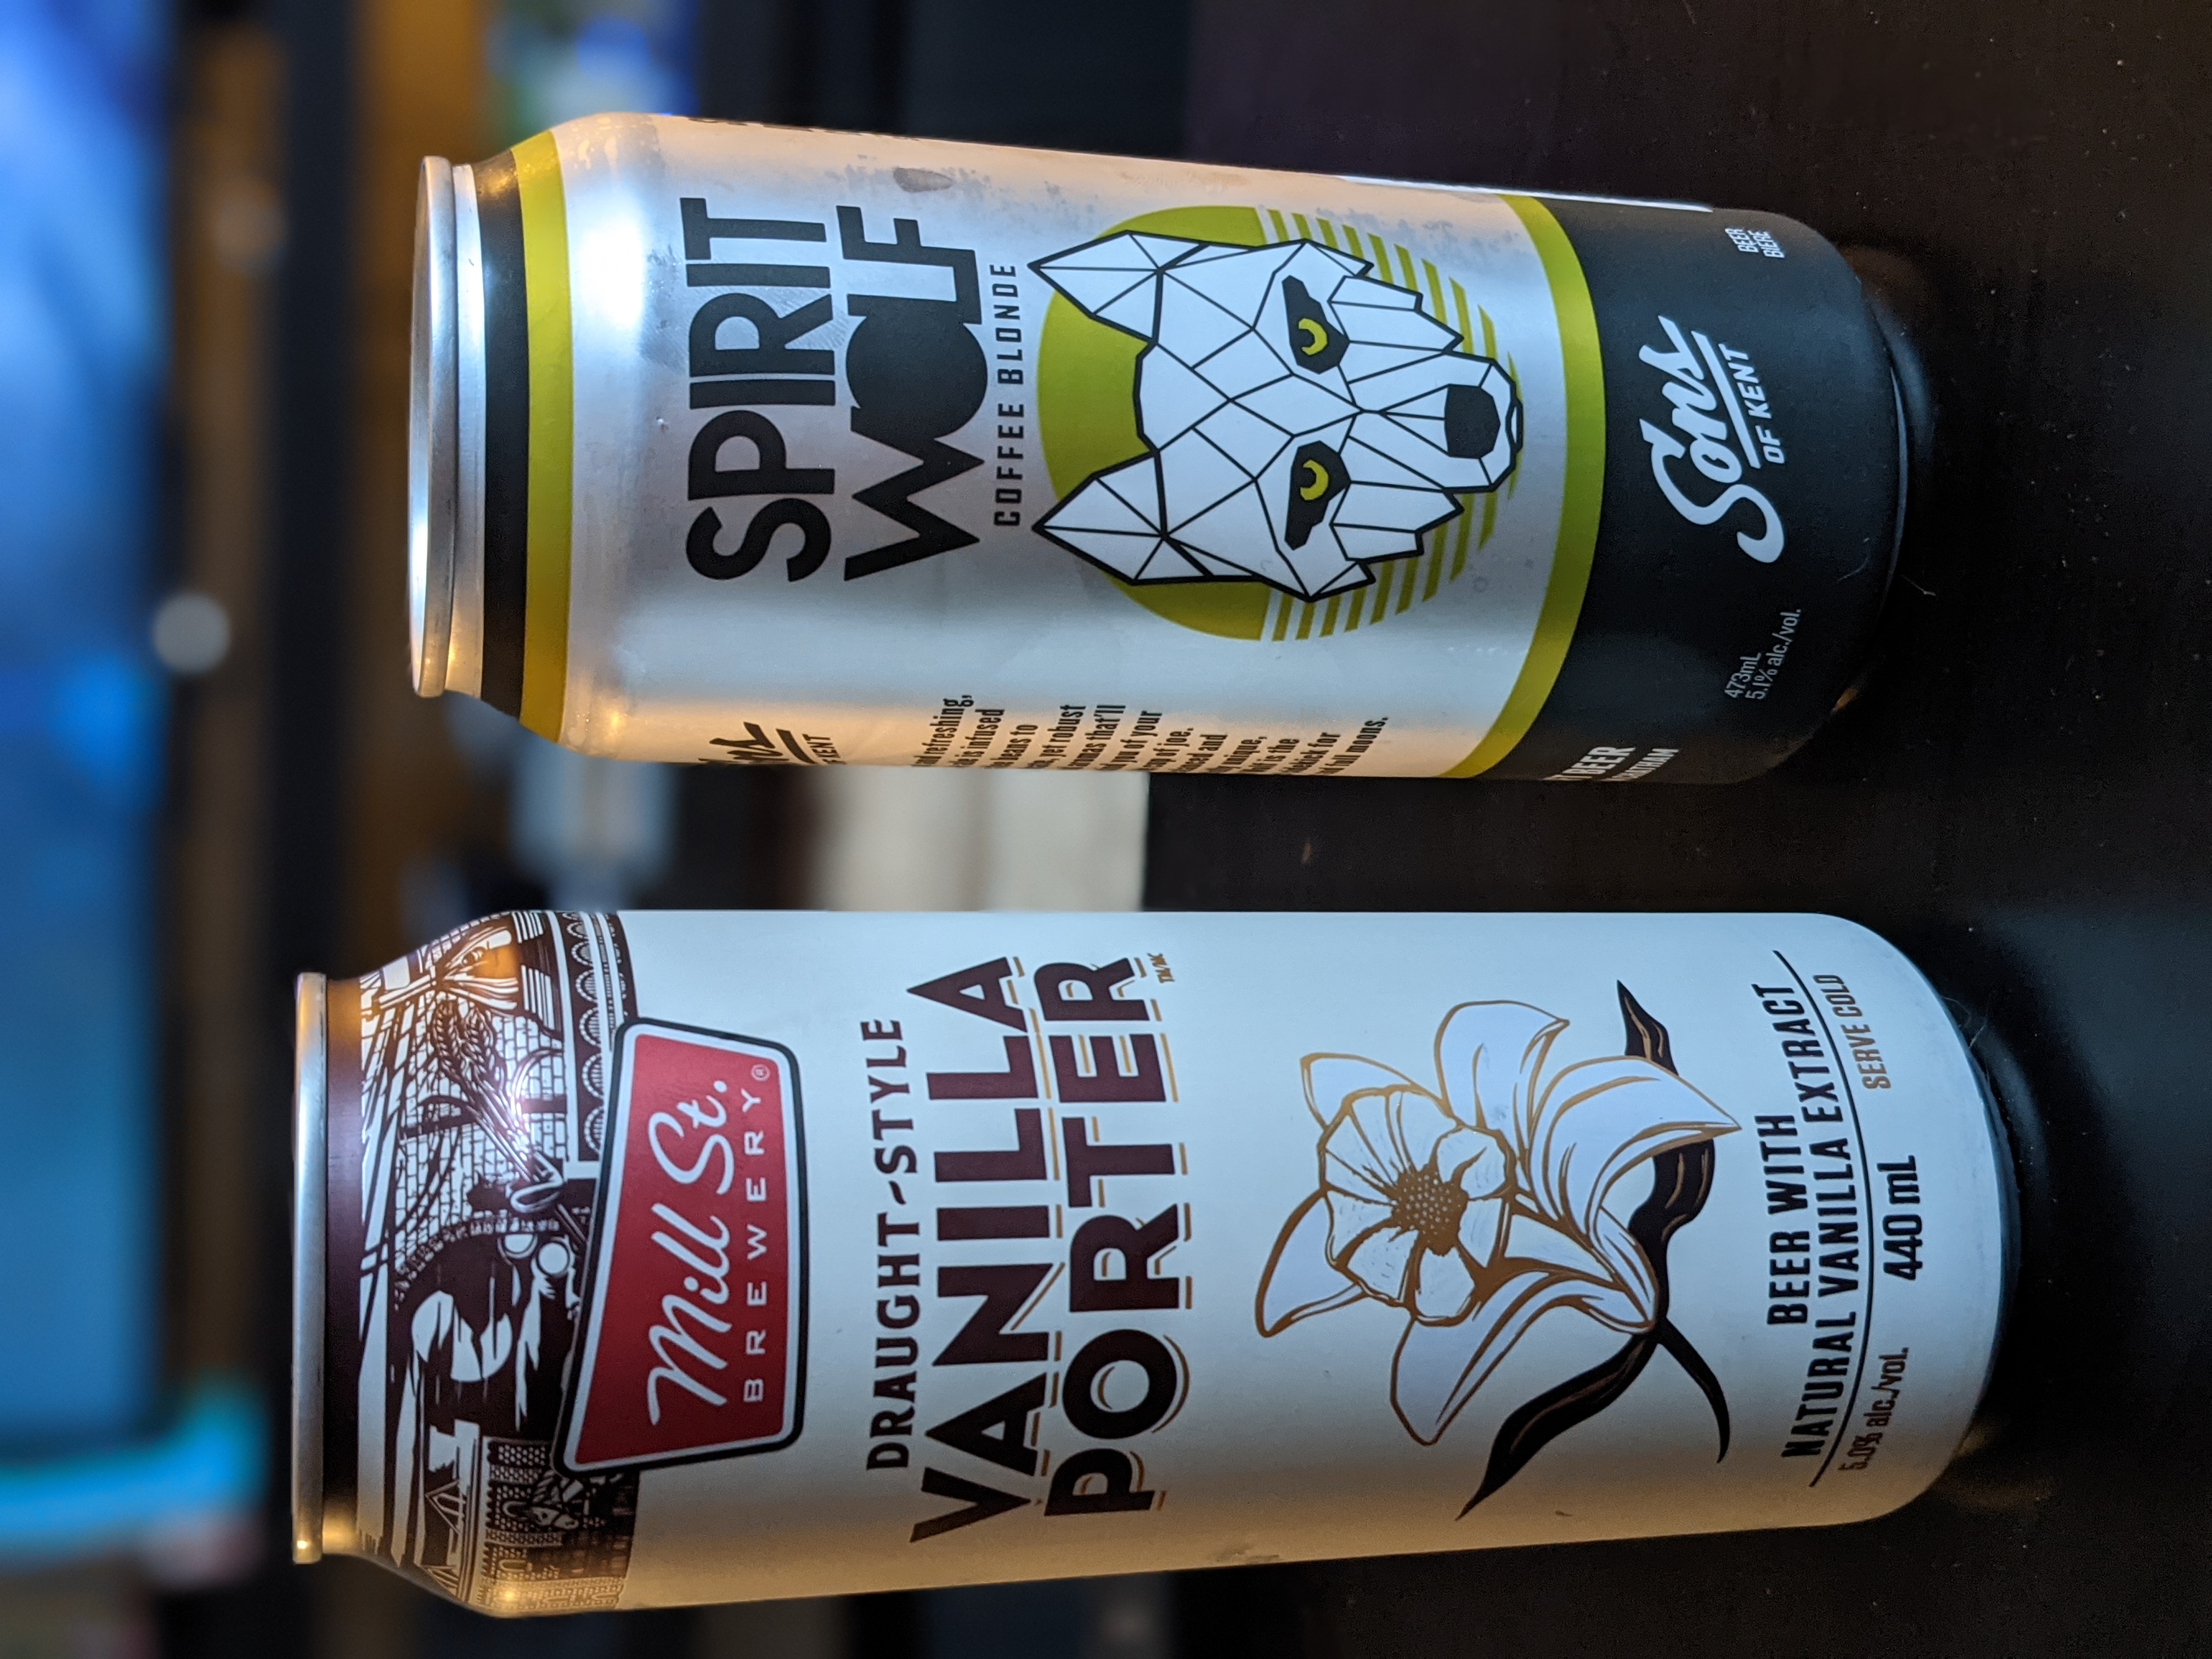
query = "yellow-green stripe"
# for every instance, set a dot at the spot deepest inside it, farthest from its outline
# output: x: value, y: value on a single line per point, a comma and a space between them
x: 1584, y: 491
x: 552, y: 433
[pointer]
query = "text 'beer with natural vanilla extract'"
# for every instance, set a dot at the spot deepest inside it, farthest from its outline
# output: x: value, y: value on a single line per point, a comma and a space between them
x: 669, y: 1257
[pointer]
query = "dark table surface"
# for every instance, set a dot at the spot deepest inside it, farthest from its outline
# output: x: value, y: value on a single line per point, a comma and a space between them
x: 2021, y: 798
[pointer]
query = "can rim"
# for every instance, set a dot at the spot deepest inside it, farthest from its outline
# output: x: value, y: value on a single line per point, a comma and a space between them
x: 433, y: 431
x: 310, y: 1203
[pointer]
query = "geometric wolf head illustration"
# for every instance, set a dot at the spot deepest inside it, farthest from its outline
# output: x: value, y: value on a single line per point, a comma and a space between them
x: 1302, y: 419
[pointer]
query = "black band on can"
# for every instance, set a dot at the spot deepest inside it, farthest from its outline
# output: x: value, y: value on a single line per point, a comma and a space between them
x: 507, y: 432
x: 1752, y: 488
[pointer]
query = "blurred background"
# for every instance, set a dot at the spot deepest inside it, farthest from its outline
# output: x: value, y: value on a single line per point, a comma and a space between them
x: 213, y: 775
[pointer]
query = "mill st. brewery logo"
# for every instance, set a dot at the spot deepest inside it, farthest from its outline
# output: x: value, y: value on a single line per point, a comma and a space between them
x: 1302, y: 419
x: 694, y: 1332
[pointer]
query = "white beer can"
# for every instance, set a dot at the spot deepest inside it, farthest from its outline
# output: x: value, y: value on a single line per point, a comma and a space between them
x: 671, y: 1257
x: 740, y: 444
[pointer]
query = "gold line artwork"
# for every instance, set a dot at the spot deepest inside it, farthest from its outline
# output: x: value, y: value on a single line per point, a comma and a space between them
x: 1494, y: 1199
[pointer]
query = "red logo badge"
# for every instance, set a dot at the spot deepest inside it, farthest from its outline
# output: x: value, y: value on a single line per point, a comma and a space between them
x: 694, y: 1337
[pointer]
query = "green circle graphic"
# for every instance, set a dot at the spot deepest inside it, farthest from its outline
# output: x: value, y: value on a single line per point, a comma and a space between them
x: 1087, y: 410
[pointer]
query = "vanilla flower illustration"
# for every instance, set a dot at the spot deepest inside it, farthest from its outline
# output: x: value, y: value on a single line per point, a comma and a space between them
x: 1494, y: 1198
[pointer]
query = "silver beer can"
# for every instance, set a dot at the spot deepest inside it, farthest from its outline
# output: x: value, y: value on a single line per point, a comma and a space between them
x: 738, y: 444
x: 673, y: 1257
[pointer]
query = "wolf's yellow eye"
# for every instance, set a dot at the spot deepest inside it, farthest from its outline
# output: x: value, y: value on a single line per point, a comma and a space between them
x: 1317, y: 344
x: 1317, y: 476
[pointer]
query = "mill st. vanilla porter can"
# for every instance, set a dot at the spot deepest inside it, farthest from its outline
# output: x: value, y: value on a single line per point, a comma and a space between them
x: 738, y: 444
x: 675, y: 1257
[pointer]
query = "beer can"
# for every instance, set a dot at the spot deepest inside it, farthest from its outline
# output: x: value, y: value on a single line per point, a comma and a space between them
x: 746, y: 445
x: 671, y: 1257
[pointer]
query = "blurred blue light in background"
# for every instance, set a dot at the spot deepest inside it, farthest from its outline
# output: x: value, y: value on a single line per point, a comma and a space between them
x: 182, y: 1496
x: 82, y: 328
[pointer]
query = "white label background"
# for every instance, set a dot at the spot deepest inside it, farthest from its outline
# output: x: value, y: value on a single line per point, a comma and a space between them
x: 661, y: 659
x: 1287, y: 1447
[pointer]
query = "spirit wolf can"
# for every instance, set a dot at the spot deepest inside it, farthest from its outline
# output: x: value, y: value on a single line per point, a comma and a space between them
x: 738, y: 444
x: 675, y: 1257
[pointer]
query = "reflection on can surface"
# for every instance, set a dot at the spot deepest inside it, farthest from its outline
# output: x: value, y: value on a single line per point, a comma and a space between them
x: 742, y: 445
x: 676, y: 1257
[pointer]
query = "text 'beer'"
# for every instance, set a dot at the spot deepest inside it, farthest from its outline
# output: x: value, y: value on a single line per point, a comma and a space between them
x: 675, y: 1257
x: 756, y: 447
